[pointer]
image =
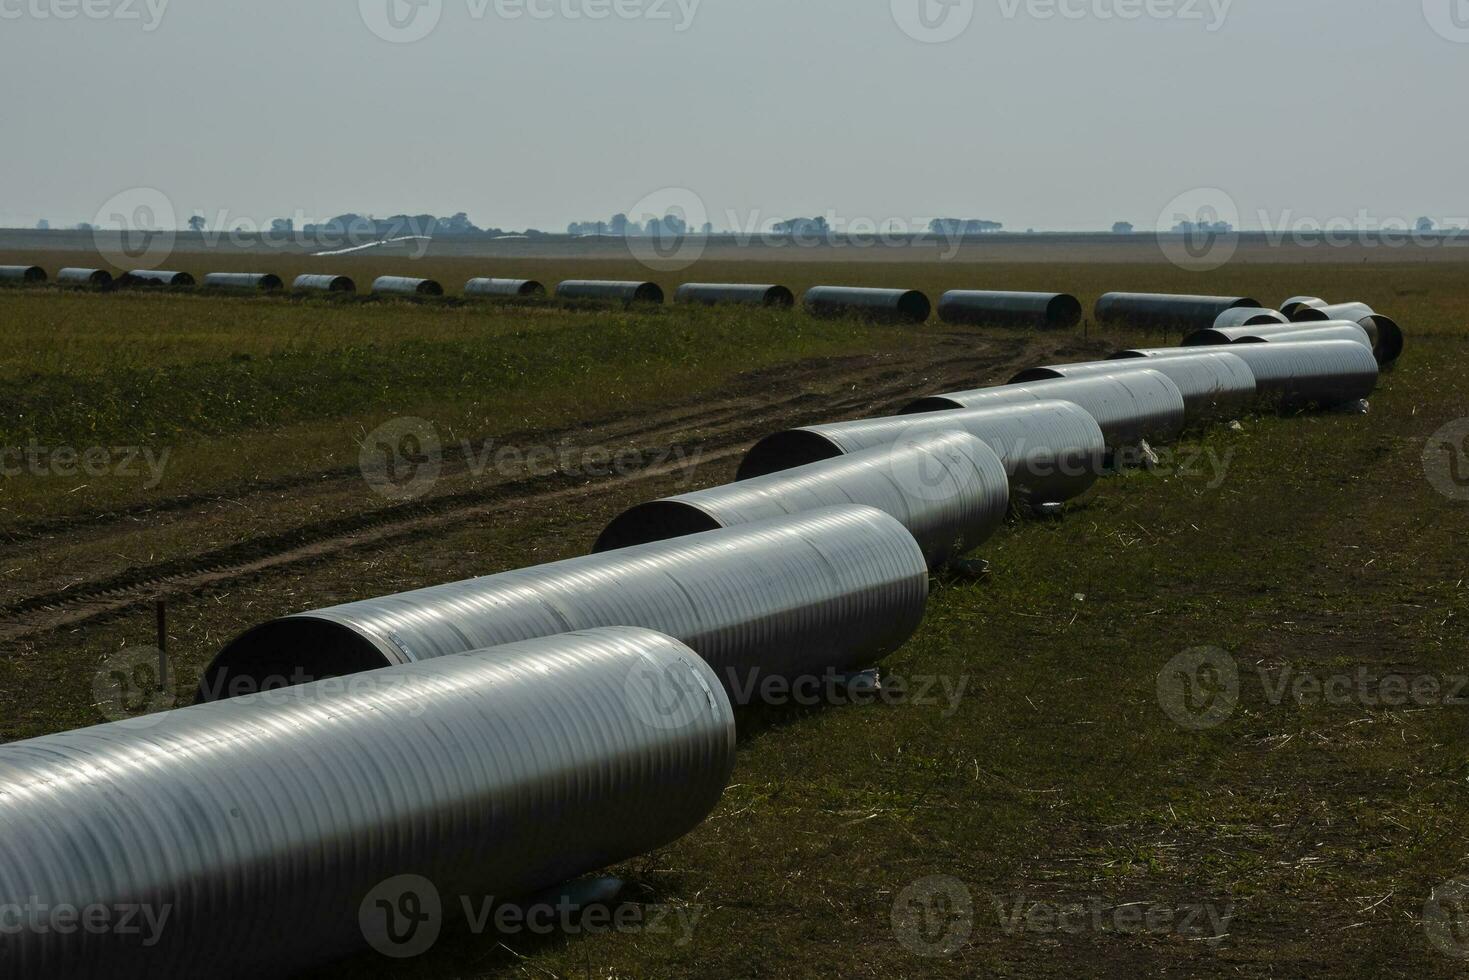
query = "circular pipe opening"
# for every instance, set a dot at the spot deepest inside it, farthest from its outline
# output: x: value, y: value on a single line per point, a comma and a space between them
x: 1063, y: 312
x: 648, y: 292
x: 914, y: 306
x: 271, y: 282
x: 287, y: 653
x: 934, y: 403
x: 1308, y: 314
x: 532, y: 288
x: 429, y: 287
x: 1388, y: 344
x: 780, y: 296
x: 1037, y: 374
x: 1205, y: 338
x: 659, y: 520
x: 787, y: 450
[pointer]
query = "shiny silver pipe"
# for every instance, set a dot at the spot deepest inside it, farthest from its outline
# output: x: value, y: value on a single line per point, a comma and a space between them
x: 1130, y: 406
x: 324, y: 284
x: 1387, y: 336
x: 1214, y: 383
x: 268, y: 834
x: 88, y: 278
x: 1247, y: 316
x: 1042, y: 311
x: 835, y: 589
x: 1289, y: 332
x: 155, y: 277
x: 897, y: 305
x: 1053, y: 451
x: 714, y: 294
x: 405, y: 286
x: 264, y: 281
x: 1295, y: 306
x: 504, y: 287
x: 1150, y: 310
x: 600, y: 289
x: 1295, y: 376
x: 949, y: 489
x: 22, y: 273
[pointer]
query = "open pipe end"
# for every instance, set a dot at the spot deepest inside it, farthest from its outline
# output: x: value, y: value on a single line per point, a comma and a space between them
x: 532, y: 288
x: 914, y: 307
x: 271, y: 282
x: 648, y: 292
x: 787, y: 450
x: 1063, y: 312
x: 286, y: 653
x: 781, y: 297
x: 935, y: 403
x: 659, y: 520
x: 1387, y: 343
x: 1208, y: 337
x: 1308, y: 314
x: 1037, y: 374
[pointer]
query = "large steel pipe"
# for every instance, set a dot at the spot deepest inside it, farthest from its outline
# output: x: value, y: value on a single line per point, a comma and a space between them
x: 1324, y: 374
x: 1323, y: 330
x: 85, y: 278
x: 405, y: 286
x: 156, y: 277
x: 897, y: 305
x: 263, y: 281
x: 599, y: 289
x: 504, y: 287
x: 1052, y: 451
x: 832, y: 589
x: 949, y: 489
x: 718, y: 293
x: 1130, y: 406
x: 1043, y: 311
x: 324, y: 284
x: 256, y: 837
x: 22, y: 273
x: 1387, y: 336
x: 1294, y: 307
x: 1248, y: 316
x: 1150, y: 310
x: 1213, y: 384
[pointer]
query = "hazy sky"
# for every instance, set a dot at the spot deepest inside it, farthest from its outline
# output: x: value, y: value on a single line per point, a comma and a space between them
x: 764, y: 108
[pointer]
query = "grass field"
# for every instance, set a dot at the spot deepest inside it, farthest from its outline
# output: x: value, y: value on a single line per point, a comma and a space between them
x: 1056, y: 803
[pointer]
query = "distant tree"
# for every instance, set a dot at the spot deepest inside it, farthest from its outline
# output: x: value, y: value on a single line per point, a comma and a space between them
x: 86, y: 226
x: 43, y: 225
x: 618, y: 224
x: 708, y: 228
x: 1425, y: 225
x: 196, y: 223
x: 1122, y: 228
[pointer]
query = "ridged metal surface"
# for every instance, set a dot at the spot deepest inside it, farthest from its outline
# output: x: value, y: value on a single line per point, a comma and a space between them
x: 1296, y: 304
x: 1151, y: 310
x: 265, y: 824
x: 1128, y: 405
x: 838, y: 588
x: 406, y: 286
x: 1327, y: 373
x: 504, y: 287
x: 325, y: 284
x: 900, y: 305
x: 156, y: 277
x: 1386, y: 335
x: 717, y: 293
x: 22, y: 273
x: 1053, y: 451
x: 1213, y: 384
x: 601, y: 289
x: 1323, y: 330
x: 1249, y: 316
x: 1043, y: 311
x: 243, y: 280
x: 93, y: 278
x: 949, y: 489
x: 1343, y: 311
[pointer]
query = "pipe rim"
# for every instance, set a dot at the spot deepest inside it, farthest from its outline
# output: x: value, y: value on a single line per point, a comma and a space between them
x: 785, y: 451
x: 656, y: 520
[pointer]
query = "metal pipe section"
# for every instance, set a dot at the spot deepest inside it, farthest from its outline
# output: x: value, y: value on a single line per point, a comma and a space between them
x: 324, y: 284
x: 265, y: 835
x: 88, y: 278
x: 1149, y: 310
x: 835, y: 589
x: 1246, y: 316
x: 22, y: 273
x: 1042, y: 311
x: 1343, y: 311
x: 405, y: 286
x: 896, y: 305
x: 1289, y: 332
x: 1297, y: 304
x: 1294, y: 376
x: 1214, y: 384
x: 504, y: 287
x: 1053, y: 451
x: 600, y: 289
x: 156, y: 277
x: 1130, y: 406
x: 949, y: 489
x: 264, y: 281
x: 1387, y: 336
x: 717, y: 293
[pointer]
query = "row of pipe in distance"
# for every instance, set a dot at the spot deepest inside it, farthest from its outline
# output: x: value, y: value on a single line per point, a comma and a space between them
x: 506, y: 734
